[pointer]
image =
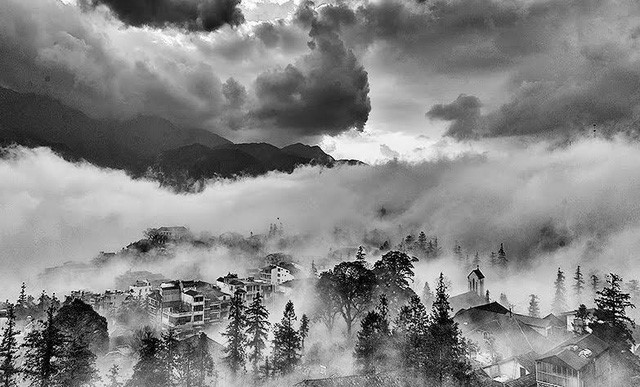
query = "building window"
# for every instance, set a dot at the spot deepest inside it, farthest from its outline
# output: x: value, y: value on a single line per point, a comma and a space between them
x: 198, y: 308
x: 197, y: 317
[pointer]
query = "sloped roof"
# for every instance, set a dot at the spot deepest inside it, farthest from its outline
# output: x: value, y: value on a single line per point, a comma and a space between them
x: 477, y: 272
x: 192, y: 293
x: 466, y: 300
x: 525, y: 381
x: 388, y: 379
x: 494, y: 307
x: 534, y: 321
x: 571, y: 352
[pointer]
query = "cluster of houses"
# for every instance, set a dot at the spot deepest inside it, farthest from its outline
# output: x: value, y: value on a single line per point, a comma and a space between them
x: 516, y: 350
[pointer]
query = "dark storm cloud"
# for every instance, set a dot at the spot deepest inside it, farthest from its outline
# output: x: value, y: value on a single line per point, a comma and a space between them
x: 235, y: 93
x: 464, y: 112
x: 192, y: 15
x: 325, y: 92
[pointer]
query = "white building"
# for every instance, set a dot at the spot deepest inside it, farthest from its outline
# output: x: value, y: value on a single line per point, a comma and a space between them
x: 275, y: 274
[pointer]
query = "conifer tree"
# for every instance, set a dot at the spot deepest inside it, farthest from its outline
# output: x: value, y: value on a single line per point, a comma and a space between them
x: 22, y: 298
x: 422, y: 242
x: 436, y: 248
x: 170, y: 355
x: 559, y: 300
x: 578, y: 284
x: 595, y: 283
x: 412, y: 338
x: 610, y: 322
x: 447, y: 348
x: 235, y: 334
x: 286, y: 342
x: 150, y: 370
x: 373, y: 339
x: 581, y: 320
x: 534, y: 307
x: 257, y: 317
x: 361, y: 255
x: 113, y: 377
x: 44, y: 353
x: 314, y: 269
x: 78, y: 365
x: 427, y: 295
x: 9, y: 351
x: 205, y: 368
x: 304, y: 329
x: 502, y: 257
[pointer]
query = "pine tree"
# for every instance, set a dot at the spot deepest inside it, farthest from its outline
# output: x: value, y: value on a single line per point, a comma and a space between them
x: 361, y: 255
x: 373, y: 339
x: 412, y: 338
x: 422, y: 242
x: 534, y: 307
x: 304, y: 329
x: 204, y: 365
x: 235, y: 335
x: 502, y: 257
x: 22, y: 298
x: 447, y: 348
x: 427, y: 294
x: 113, y: 376
x: 9, y: 351
x: 611, y: 322
x: 595, y: 284
x: 150, y: 370
x: 578, y: 285
x: 581, y: 320
x: 170, y: 355
x: 559, y: 301
x: 44, y: 353
x: 457, y: 252
x: 78, y: 365
x: 257, y: 317
x: 286, y: 342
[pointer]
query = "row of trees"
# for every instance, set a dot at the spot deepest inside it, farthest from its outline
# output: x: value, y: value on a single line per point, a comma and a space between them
x: 167, y: 362
x: 428, y: 346
x: 247, y: 337
x: 57, y: 351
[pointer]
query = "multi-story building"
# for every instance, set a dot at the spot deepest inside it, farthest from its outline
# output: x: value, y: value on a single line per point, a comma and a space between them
x: 247, y: 288
x: 187, y: 304
x: 140, y: 289
x: 274, y: 274
x: 582, y: 361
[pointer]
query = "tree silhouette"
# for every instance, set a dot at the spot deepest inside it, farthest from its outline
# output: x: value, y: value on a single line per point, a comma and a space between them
x: 235, y: 335
x: 286, y: 342
x: 610, y: 321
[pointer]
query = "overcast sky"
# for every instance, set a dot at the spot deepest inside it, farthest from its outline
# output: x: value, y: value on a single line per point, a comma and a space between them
x: 371, y: 80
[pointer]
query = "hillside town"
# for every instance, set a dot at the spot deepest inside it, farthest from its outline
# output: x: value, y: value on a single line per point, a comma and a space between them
x: 385, y: 322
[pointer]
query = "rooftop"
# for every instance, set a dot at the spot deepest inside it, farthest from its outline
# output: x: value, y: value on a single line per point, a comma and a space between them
x: 577, y: 352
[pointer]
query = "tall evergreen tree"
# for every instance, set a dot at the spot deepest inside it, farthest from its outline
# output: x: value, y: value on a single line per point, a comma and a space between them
x: 150, y: 370
x: 534, y: 307
x: 22, y: 298
x: 578, y: 284
x: 361, y: 255
x: 9, y: 351
x: 78, y: 364
x: 610, y: 321
x: 595, y: 284
x: 373, y: 339
x: 257, y: 317
x: 427, y: 294
x: 581, y: 320
x: 170, y: 355
x: 44, y: 353
x: 235, y: 335
x: 204, y: 366
x: 412, y: 338
x: 304, y: 329
x: 447, y: 348
x: 113, y: 377
x: 422, y: 242
x: 502, y: 257
x: 286, y: 342
x: 559, y: 300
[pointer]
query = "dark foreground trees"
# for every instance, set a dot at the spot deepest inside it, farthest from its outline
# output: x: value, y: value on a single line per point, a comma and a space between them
x: 286, y: 342
x: 428, y: 347
x: 610, y: 320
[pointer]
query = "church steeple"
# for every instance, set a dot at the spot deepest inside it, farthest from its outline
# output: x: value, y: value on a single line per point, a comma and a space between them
x: 475, y: 281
